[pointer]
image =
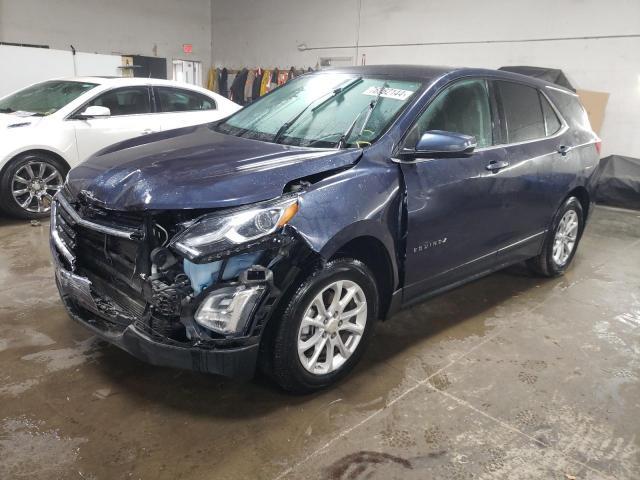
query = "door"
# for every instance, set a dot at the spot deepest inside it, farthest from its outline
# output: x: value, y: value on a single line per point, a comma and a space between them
x: 131, y: 116
x: 180, y: 107
x: 530, y: 128
x: 455, y: 219
x: 187, y: 71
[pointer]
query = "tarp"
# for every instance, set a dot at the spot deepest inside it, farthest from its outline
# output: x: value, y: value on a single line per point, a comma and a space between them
x: 552, y: 75
x: 617, y: 182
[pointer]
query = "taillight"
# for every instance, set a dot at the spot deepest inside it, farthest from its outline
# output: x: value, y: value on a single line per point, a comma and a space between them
x: 599, y: 146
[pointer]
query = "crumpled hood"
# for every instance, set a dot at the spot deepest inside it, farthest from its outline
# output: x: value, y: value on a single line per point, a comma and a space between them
x: 196, y: 167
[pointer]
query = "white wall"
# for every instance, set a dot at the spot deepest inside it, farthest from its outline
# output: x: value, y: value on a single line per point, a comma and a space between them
x: 31, y: 65
x: 255, y: 33
x: 139, y: 27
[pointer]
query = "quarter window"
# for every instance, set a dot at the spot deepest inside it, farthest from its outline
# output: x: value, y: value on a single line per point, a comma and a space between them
x: 124, y: 101
x: 176, y: 100
x: 463, y: 108
x: 522, y: 112
x: 551, y: 121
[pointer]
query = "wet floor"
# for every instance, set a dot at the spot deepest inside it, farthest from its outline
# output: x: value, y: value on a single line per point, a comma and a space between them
x: 508, y: 377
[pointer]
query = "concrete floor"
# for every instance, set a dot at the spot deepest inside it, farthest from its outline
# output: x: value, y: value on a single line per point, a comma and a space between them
x: 509, y: 377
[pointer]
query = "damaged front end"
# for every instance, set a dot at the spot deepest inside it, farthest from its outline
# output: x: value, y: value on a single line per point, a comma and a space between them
x: 186, y: 289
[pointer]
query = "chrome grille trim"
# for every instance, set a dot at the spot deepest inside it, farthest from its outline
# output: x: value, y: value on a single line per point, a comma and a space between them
x: 60, y: 244
x: 116, y: 232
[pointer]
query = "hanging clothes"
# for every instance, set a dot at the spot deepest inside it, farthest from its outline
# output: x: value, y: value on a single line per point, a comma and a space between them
x: 265, y: 82
x: 213, y: 80
x: 237, y: 87
x: 292, y: 74
x: 274, y: 79
x: 209, y: 85
x: 248, y: 86
x: 222, y: 83
x: 255, y: 91
x: 283, y: 77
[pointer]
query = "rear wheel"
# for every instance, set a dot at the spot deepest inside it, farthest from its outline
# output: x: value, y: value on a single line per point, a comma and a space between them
x: 562, y: 240
x: 29, y: 183
x: 325, y: 327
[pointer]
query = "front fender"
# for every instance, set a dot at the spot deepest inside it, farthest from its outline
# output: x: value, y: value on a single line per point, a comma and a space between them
x: 363, y: 201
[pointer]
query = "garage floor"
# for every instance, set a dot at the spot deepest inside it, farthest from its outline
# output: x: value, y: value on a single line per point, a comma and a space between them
x: 509, y: 377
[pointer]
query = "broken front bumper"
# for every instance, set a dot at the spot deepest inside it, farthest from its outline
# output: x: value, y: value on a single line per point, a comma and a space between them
x: 132, y: 324
x: 238, y: 362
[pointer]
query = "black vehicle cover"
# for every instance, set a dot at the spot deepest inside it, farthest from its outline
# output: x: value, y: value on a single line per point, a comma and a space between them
x: 552, y: 75
x: 618, y: 182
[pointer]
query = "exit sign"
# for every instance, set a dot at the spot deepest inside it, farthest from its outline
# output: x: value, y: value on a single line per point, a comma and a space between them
x: 187, y: 48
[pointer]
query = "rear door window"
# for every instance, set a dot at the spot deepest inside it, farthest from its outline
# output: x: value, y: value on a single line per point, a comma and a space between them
x: 124, y: 101
x: 523, y: 118
x: 462, y: 108
x: 179, y: 100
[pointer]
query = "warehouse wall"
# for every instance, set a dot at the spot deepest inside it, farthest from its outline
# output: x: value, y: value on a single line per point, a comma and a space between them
x: 256, y: 33
x: 142, y: 27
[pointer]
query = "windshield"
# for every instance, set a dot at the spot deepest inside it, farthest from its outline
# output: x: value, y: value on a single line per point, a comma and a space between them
x: 44, y: 98
x: 324, y: 110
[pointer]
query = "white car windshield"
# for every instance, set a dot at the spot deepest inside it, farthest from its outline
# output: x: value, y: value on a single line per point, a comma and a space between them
x: 324, y: 110
x: 44, y: 98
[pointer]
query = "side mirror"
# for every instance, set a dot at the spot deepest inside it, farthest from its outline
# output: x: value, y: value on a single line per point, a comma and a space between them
x: 438, y: 143
x: 95, y: 112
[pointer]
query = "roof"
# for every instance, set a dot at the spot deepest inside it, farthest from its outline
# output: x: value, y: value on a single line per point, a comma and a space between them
x: 129, y: 81
x: 414, y: 71
x: 431, y: 73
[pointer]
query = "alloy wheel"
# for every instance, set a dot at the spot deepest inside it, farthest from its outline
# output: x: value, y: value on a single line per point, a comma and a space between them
x: 565, y: 238
x: 34, y: 184
x: 332, y: 327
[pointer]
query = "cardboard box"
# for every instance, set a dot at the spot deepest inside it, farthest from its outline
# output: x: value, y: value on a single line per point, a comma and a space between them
x: 595, y: 103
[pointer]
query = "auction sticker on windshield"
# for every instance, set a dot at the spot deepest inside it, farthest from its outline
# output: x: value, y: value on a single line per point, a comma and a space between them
x: 395, y: 93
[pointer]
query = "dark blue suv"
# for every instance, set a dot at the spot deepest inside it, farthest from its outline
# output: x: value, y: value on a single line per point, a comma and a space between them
x: 278, y: 237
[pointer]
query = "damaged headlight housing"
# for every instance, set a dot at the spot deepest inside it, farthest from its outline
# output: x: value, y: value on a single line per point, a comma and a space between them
x: 227, y: 310
x: 219, y: 232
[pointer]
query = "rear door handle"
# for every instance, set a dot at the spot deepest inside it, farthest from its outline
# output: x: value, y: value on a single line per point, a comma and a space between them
x: 146, y: 131
x: 563, y: 150
x: 494, y: 165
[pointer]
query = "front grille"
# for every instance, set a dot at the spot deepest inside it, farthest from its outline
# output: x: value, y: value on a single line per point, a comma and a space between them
x: 105, y: 247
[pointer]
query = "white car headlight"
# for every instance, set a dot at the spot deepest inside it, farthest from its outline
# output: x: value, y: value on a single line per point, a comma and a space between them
x: 221, y: 231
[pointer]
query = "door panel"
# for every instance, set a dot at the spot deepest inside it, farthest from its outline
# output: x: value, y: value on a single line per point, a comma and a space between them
x: 95, y: 134
x: 529, y: 128
x: 455, y: 218
x: 455, y: 205
x: 180, y: 107
x: 170, y: 121
x: 131, y: 115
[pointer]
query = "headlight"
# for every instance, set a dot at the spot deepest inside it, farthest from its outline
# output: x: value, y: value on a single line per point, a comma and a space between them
x: 218, y: 232
x: 227, y: 310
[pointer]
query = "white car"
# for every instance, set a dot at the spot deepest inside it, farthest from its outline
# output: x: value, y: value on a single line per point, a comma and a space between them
x: 50, y: 127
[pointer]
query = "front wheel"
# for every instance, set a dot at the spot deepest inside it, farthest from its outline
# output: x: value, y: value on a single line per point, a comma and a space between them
x: 28, y: 184
x: 562, y: 240
x: 325, y: 327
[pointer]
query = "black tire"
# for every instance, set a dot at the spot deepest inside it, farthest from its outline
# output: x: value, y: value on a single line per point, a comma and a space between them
x: 8, y: 203
x: 544, y: 264
x: 286, y: 367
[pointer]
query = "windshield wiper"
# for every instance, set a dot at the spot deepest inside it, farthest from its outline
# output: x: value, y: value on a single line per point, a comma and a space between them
x: 331, y: 95
x: 7, y: 110
x: 369, y: 108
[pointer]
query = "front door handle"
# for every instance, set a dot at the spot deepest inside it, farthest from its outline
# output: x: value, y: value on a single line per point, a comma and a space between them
x: 146, y: 131
x: 494, y: 165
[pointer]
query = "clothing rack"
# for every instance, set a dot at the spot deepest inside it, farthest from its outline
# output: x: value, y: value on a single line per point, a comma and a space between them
x: 247, y: 84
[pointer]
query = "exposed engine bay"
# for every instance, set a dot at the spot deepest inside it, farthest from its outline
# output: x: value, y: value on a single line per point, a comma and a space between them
x: 138, y: 277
